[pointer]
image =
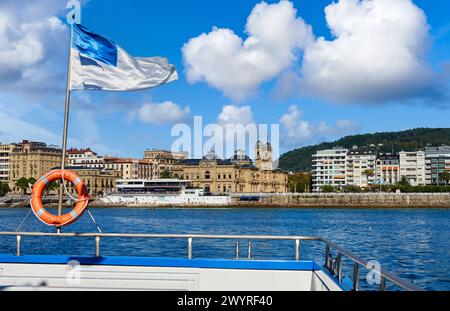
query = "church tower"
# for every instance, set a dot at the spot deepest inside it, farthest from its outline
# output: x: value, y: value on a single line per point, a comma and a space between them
x: 263, y: 156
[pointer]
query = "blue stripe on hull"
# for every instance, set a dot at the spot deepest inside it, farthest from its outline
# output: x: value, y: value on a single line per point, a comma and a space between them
x: 303, y: 265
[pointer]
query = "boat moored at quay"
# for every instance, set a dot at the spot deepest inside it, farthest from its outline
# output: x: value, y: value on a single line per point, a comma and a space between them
x: 161, y: 192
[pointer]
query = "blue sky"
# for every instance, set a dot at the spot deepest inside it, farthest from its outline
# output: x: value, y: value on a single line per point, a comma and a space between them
x: 290, y: 94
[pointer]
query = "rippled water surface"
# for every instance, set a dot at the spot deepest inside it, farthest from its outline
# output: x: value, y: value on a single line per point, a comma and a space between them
x: 413, y: 243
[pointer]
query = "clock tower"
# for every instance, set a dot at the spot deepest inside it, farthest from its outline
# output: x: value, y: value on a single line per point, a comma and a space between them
x: 263, y: 156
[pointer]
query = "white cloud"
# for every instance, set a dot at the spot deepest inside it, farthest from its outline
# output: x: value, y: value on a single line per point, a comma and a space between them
x: 235, y: 115
x: 161, y: 113
x: 33, y: 46
x: 237, y: 67
x: 377, y: 54
x: 298, y: 132
x: 295, y: 126
x: 14, y: 129
x: 31, y: 57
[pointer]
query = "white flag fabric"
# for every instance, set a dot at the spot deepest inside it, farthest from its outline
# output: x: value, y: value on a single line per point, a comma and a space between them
x: 99, y: 64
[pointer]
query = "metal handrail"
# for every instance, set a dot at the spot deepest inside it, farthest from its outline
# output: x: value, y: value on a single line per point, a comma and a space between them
x: 384, y: 274
x: 337, y: 269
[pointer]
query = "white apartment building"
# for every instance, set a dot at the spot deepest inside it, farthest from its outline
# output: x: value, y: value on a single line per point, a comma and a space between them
x: 85, y: 157
x: 361, y: 163
x: 412, y: 167
x: 5, y: 152
x: 329, y: 168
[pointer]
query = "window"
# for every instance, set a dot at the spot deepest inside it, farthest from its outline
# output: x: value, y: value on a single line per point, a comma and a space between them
x: 207, y: 175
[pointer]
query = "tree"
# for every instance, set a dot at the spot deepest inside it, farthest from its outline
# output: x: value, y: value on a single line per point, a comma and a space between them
x: 299, y: 182
x: 404, y: 182
x: 368, y: 173
x: 22, y: 184
x: 352, y: 189
x: 166, y: 174
x: 445, y: 176
x: 4, y: 189
x: 327, y: 189
x: 52, y: 186
x: 32, y: 181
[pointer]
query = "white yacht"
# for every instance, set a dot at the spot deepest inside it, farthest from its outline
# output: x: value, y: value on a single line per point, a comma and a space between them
x: 160, y: 192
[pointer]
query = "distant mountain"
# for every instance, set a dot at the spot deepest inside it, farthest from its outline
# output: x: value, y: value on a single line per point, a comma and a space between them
x: 410, y: 140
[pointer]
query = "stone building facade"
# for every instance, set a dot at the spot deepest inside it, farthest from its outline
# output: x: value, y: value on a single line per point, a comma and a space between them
x: 162, y: 160
x: 98, y: 181
x: 235, y: 175
x: 31, y: 160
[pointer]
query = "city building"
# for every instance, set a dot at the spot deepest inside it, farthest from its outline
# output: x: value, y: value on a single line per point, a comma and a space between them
x: 5, y: 153
x: 162, y: 160
x: 388, y: 168
x: 360, y: 166
x: 31, y: 160
x: 98, y: 180
x: 234, y: 175
x: 412, y: 167
x: 329, y: 168
x: 85, y: 157
x: 129, y: 168
x: 437, y: 161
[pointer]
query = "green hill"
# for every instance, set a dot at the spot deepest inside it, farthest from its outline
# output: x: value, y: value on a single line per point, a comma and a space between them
x: 410, y: 140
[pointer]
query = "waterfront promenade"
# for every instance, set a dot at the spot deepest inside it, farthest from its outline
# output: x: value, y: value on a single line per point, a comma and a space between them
x: 296, y: 200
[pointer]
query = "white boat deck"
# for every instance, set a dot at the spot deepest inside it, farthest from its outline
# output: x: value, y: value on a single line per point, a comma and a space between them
x: 43, y: 273
x: 49, y: 272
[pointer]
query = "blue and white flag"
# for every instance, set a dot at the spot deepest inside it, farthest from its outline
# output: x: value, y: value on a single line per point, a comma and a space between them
x: 100, y: 64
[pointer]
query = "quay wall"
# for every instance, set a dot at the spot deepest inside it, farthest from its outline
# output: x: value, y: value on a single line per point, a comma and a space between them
x: 365, y: 200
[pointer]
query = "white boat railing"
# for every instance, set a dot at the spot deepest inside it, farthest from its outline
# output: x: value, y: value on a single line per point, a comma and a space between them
x: 332, y: 264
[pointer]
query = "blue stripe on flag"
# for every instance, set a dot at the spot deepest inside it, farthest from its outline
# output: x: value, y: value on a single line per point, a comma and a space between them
x: 88, y: 61
x: 92, y: 87
x: 94, y: 46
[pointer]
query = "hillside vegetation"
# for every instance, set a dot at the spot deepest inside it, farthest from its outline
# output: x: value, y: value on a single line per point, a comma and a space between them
x: 417, y: 139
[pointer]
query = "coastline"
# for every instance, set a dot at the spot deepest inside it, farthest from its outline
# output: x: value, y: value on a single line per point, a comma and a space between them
x: 247, y: 206
x: 306, y: 201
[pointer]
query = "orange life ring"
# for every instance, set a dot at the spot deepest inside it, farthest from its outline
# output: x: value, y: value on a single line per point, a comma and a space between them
x: 63, y: 220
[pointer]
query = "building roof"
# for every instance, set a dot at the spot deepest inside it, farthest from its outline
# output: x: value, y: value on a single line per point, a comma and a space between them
x: 388, y: 156
x: 438, y: 150
x: 240, y: 157
x: 125, y: 160
x: 80, y: 151
x: 36, y: 146
x: 363, y: 151
x: 189, y: 162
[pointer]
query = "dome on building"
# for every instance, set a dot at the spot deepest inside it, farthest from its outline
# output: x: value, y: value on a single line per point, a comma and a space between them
x: 241, y: 158
x: 211, y: 155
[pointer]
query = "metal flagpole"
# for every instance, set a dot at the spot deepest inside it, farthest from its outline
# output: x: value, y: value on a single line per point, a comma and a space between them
x: 66, y: 125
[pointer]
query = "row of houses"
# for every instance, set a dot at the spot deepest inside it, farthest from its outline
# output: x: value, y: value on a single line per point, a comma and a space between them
x: 29, y: 159
x: 340, y: 167
x: 238, y: 174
